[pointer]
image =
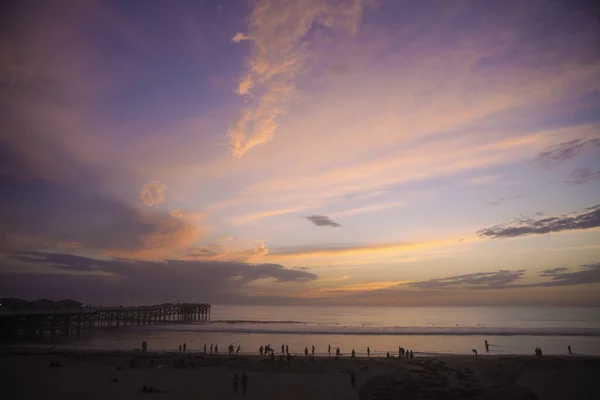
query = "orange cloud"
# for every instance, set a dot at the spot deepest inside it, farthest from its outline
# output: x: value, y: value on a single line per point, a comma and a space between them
x: 277, y: 32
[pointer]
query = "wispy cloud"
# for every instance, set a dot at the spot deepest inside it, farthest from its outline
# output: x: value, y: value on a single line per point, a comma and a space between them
x: 223, y: 252
x: 503, y: 200
x: 567, y: 151
x: 504, y: 279
x: 580, y: 176
x: 479, y: 279
x: 244, y: 219
x: 368, y: 209
x: 586, y: 219
x: 322, y: 220
x: 283, y: 36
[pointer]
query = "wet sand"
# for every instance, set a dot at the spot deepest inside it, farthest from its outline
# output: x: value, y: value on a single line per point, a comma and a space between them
x: 111, y: 375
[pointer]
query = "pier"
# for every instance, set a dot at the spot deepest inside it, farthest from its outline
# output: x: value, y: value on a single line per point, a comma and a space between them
x: 30, y: 324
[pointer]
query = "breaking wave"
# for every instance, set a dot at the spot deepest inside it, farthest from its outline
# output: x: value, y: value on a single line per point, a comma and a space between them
x: 300, y: 328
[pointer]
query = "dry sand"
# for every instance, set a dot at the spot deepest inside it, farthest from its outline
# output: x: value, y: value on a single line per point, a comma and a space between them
x: 93, y: 375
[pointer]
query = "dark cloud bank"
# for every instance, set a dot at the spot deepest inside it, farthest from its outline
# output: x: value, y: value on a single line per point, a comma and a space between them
x: 587, y: 219
x: 567, y: 151
x: 504, y: 279
x: 124, y: 281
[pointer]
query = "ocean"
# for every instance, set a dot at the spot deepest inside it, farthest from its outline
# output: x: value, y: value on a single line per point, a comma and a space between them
x: 425, y: 330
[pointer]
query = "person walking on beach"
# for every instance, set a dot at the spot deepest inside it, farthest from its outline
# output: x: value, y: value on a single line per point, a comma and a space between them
x: 282, y: 349
x: 487, y: 346
x: 244, y: 382
x: 570, y: 353
x: 337, y: 353
x: 235, y: 383
x: 184, y: 347
x: 306, y: 352
x: 329, y: 350
x: 411, y: 354
x: 260, y: 350
x: 211, y: 348
x: 238, y: 350
x: 313, y: 350
x: 352, y: 379
x: 287, y: 350
x: 353, y: 354
x: 368, y: 351
x: 216, y: 348
x: 475, y: 352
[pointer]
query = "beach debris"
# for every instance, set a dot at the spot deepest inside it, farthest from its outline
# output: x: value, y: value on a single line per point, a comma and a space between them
x: 150, y: 389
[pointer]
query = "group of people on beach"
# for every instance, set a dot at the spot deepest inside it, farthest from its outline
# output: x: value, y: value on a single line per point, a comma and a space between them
x: 183, y: 348
x: 538, y: 351
x: 243, y: 379
x: 230, y: 349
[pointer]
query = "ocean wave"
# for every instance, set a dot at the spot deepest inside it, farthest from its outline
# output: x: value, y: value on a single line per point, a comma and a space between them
x: 291, y: 327
x: 248, y: 321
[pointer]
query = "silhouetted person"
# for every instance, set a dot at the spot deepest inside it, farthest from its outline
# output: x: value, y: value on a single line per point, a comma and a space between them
x: 329, y: 350
x: 184, y: 347
x: 387, y: 355
x: 235, y: 383
x: 211, y: 348
x: 282, y: 349
x: 411, y: 354
x: 238, y: 350
x: 407, y: 353
x: 287, y: 350
x: 337, y: 353
x: 352, y: 379
x: 487, y: 346
x: 216, y: 348
x: 353, y: 354
x: 180, y: 348
x: 475, y: 352
x: 313, y: 350
x: 260, y: 350
x: 368, y: 351
x: 204, y: 348
x: 306, y: 352
x: 570, y: 353
x: 244, y: 382
x: 230, y: 349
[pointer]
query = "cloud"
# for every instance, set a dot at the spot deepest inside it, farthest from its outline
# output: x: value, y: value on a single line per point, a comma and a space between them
x: 589, y: 273
x: 322, y: 220
x: 128, y: 280
x: 222, y: 252
x: 244, y: 219
x: 566, y: 151
x: 153, y: 194
x: 504, y: 279
x: 283, y: 36
x: 587, y: 219
x: 479, y: 279
x: 44, y: 213
x: 504, y: 199
x: 368, y: 209
x: 580, y: 176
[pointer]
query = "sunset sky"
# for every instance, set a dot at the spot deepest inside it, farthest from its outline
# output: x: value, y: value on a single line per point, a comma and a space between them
x: 390, y: 152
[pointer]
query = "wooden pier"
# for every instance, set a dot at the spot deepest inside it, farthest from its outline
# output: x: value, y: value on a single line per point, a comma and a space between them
x: 29, y: 324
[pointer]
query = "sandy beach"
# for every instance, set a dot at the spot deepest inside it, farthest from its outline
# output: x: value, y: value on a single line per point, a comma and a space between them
x: 113, y: 375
